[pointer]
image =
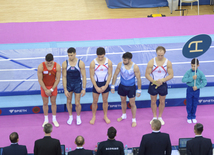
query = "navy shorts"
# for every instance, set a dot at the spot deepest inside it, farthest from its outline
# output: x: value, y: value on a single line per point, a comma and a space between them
x: 129, y: 91
x: 161, y: 90
x: 100, y: 84
x: 75, y: 87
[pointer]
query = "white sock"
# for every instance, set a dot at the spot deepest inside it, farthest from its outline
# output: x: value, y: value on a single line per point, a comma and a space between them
x: 134, y: 120
x: 54, y: 118
x: 123, y: 116
x: 70, y: 119
x: 79, y: 120
x: 46, y: 118
x: 159, y: 117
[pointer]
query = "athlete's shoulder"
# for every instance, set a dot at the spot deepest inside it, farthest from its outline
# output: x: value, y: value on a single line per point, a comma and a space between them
x: 40, y: 67
x: 92, y: 62
x: 136, y: 67
x: 80, y: 61
x: 64, y: 64
x: 109, y: 62
x: 119, y: 64
x: 169, y: 63
x: 150, y: 63
x: 41, y: 64
x: 81, y: 64
x: 58, y: 67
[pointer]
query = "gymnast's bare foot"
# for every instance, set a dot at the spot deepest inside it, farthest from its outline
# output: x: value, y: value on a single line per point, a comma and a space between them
x: 134, y: 124
x: 107, y: 120
x: 119, y: 119
x: 92, y: 121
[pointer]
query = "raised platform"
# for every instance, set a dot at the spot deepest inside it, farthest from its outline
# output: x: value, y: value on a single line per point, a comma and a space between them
x: 29, y: 104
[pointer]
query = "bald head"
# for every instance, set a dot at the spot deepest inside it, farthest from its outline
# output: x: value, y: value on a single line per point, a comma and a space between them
x: 156, y: 125
x: 79, y: 141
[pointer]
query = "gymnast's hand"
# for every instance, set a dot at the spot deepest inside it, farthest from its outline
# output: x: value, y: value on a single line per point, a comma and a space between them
x: 67, y: 94
x: 98, y: 89
x: 159, y: 82
x: 48, y: 92
x: 82, y: 92
x: 155, y: 83
x: 103, y: 88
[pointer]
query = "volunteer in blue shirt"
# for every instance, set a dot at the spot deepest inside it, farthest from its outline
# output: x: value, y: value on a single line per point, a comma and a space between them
x: 193, y: 92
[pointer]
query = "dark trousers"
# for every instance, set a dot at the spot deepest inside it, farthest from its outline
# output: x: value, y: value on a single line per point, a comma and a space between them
x: 192, y: 102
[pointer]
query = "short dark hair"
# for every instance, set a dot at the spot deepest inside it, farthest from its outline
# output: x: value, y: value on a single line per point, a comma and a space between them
x: 71, y: 50
x: 127, y: 55
x: 48, y: 128
x: 14, y: 137
x: 112, y: 132
x: 49, y: 57
x: 79, y: 141
x: 101, y: 51
x: 198, y: 128
x: 193, y: 61
x: 156, y: 124
x: 161, y: 48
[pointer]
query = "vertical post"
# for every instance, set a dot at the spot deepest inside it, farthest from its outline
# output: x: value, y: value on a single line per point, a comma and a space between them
x: 195, y: 72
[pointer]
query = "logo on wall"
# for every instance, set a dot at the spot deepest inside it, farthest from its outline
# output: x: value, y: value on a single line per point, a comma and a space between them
x: 200, y: 101
x: 11, y: 111
x: 129, y: 106
x: 0, y: 111
x: 36, y: 110
x: 17, y: 111
x: 197, y: 46
x: 185, y: 102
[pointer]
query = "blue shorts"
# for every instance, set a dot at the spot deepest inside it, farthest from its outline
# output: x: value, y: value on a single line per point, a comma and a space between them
x: 129, y: 91
x: 161, y: 90
x: 75, y: 87
x: 100, y: 84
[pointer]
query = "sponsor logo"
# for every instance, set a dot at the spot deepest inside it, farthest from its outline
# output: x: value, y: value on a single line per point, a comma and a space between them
x: 200, y: 101
x: 11, y: 111
x: 0, y: 111
x: 206, y: 101
x: 185, y: 102
x: 60, y: 91
x: 36, y: 110
x: 17, y: 111
x: 114, y: 106
x: 129, y: 105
